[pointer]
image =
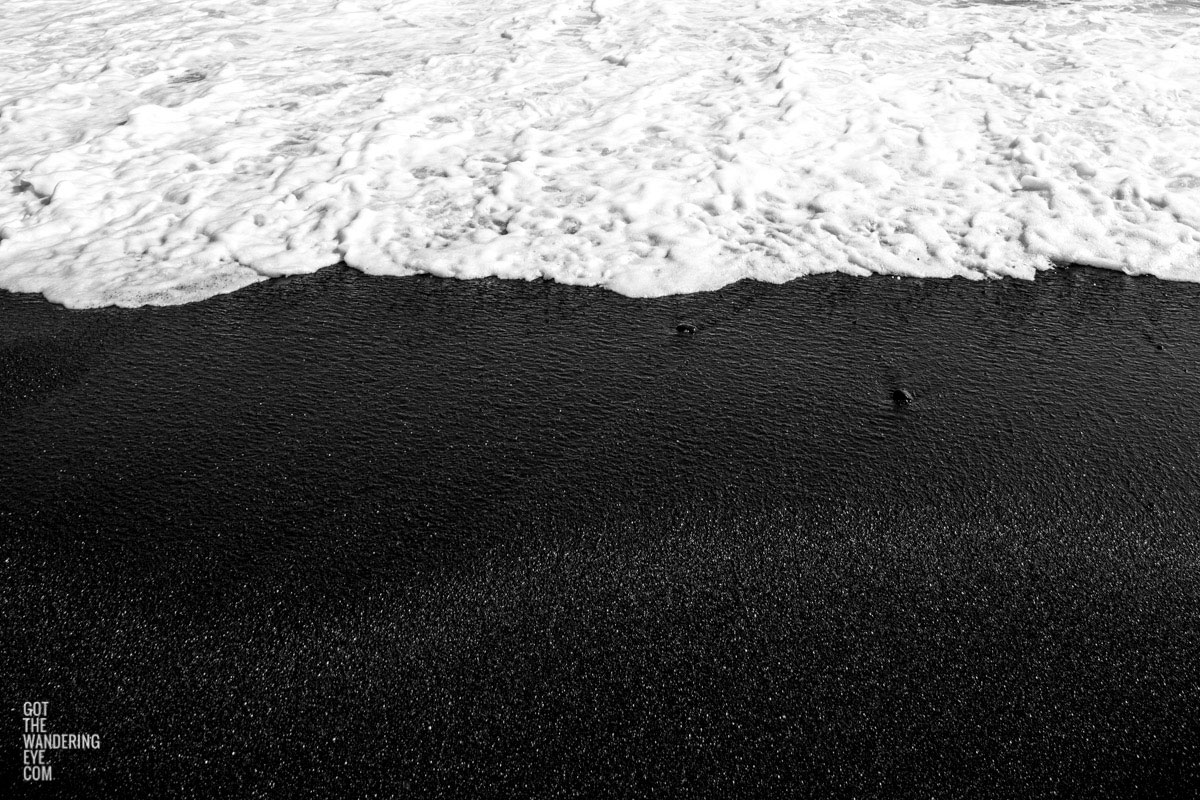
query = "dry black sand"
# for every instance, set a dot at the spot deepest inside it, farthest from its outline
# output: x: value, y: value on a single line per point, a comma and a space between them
x: 357, y: 537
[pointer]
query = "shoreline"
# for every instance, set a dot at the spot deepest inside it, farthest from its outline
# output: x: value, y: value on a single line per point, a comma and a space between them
x: 1038, y: 274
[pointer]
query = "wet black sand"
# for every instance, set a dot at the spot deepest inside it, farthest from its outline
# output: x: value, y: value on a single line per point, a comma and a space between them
x: 357, y: 537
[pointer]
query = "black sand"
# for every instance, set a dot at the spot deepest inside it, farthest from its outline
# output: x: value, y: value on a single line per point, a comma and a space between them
x: 359, y: 537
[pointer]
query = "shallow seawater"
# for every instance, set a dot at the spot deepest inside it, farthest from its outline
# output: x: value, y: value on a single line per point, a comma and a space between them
x: 379, y: 537
x: 650, y: 148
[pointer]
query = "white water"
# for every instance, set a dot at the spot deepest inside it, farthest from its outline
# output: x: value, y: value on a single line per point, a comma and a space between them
x: 159, y: 152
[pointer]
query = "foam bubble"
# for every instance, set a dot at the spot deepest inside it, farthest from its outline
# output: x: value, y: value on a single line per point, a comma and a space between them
x: 163, y: 153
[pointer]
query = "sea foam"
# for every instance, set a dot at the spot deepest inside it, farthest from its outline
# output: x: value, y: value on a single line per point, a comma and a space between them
x: 160, y: 153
